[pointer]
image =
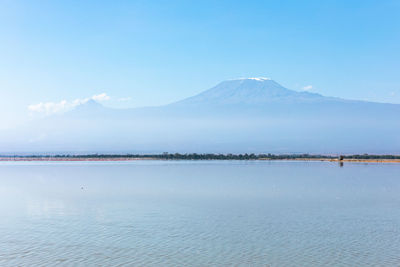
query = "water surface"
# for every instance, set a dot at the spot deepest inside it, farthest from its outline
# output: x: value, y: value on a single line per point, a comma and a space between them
x: 199, y: 213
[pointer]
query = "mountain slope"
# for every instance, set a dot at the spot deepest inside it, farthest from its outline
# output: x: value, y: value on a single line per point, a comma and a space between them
x: 253, y: 115
x: 250, y: 91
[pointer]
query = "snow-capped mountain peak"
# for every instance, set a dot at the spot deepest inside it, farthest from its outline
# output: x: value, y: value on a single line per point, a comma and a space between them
x: 260, y: 79
x: 247, y: 91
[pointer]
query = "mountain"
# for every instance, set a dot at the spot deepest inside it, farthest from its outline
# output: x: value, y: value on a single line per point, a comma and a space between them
x: 250, y: 91
x: 252, y: 115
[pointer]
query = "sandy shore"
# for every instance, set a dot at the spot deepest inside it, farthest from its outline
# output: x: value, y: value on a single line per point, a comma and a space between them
x: 349, y: 160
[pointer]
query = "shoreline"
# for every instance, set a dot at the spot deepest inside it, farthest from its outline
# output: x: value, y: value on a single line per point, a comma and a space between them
x: 77, y: 159
x: 352, y: 160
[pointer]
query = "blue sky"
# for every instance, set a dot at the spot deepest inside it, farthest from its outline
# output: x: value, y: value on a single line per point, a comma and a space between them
x: 154, y: 52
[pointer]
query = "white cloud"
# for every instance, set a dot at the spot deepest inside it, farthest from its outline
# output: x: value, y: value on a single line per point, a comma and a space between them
x: 48, y: 108
x: 307, y: 88
x: 101, y: 97
x: 54, y: 107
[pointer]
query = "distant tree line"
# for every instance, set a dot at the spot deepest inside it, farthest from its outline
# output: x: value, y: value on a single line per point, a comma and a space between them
x: 210, y: 156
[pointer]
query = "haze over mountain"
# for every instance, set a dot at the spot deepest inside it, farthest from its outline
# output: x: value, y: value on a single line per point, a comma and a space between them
x: 251, y: 115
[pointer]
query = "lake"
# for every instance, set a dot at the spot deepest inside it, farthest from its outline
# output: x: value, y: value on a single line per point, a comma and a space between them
x: 199, y: 213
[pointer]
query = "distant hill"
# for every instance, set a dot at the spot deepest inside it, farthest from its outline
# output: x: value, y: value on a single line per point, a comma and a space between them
x: 252, y: 115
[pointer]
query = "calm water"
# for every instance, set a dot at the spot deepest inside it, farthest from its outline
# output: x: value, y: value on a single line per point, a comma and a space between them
x: 210, y: 213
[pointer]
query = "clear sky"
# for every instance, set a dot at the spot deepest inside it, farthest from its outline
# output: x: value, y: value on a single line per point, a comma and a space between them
x: 154, y: 52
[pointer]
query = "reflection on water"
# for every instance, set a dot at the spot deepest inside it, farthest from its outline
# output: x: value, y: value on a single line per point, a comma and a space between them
x: 179, y: 213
